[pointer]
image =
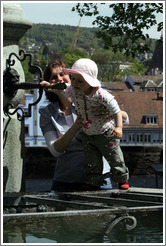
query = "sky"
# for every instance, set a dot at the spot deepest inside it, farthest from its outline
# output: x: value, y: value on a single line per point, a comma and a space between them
x: 59, y: 12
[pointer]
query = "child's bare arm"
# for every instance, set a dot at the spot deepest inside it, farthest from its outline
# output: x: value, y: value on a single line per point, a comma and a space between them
x: 118, y: 125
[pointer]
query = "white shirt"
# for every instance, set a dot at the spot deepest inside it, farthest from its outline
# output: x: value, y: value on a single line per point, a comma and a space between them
x: 85, y: 107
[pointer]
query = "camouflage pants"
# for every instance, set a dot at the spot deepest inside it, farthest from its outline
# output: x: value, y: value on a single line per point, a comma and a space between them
x: 105, y: 145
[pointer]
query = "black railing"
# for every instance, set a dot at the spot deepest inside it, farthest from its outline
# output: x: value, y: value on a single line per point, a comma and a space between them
x: 11, y: 83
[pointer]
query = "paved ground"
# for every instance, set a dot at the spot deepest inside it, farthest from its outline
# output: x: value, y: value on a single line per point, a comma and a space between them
x: 32, y: 185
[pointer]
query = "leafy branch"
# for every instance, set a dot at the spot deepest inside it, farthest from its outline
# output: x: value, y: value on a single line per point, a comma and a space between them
x: 123, y: 29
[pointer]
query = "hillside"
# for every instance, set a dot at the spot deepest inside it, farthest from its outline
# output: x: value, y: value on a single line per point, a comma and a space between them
x: 61, y: 37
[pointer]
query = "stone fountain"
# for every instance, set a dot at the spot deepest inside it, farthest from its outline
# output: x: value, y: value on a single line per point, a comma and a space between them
x: 14, y: 27
x: 115, y: 204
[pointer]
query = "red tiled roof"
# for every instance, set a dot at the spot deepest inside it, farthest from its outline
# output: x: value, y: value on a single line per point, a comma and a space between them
x: 140, y: 103
x: 142, y: 78
x: 117, y: 85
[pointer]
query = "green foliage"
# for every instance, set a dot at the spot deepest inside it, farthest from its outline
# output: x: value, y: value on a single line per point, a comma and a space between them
x: 135, y: 68
x: 57, y: 40
x: 43, y: 63
x: 123, y: 29
x: 72, y: 55
x: 108, y: 63
x: 102, y: 57
x: 45, y: 50
x: 61, y: 37
x: 28, y: 76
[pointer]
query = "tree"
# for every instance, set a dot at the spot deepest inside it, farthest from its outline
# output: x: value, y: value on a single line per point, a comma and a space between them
x: 123, y: 29
x: 28, y: 76
x: 135, y: 68
x: 108, y: 65
x: 45, y: 50
x: 72, y: 55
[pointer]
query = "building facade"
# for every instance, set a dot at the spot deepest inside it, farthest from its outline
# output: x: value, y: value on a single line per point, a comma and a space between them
x: 145, y: 110
x: 33, y: 133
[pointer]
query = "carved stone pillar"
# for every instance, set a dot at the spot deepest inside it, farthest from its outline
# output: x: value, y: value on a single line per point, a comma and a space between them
x: 14, y: 27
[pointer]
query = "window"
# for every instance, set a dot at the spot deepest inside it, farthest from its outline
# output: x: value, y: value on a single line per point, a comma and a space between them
x: 151, y: 119
x: 132, y: 137
x: 157, y: 137
x: 147, y: 138
x: 155, y: 120
x: 139, y: 138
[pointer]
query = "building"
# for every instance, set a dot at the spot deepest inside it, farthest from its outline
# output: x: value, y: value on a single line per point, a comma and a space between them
x: 115, y: 86
x: 145, y: 82
x: 33, y: 133
x: 136, y: 83
x: 145, y: 110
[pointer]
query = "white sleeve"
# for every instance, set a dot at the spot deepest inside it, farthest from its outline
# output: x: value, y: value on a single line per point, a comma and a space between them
x: 108, y: 100
x: 50, y: 138
x: 68, y: 91
x: 126, y: 123
x: 113, y: 106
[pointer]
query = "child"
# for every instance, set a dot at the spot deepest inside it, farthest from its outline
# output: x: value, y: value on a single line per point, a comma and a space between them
x: 100, y: 135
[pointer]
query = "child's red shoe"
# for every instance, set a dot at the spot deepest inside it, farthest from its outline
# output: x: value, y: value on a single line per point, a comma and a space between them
x: 124, y: 186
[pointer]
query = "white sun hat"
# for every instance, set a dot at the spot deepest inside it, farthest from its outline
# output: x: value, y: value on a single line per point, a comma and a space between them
x: 87, y: 69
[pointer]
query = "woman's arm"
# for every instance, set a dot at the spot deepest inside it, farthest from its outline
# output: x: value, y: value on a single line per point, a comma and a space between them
x: 57, y: 144
x: 63, y: 142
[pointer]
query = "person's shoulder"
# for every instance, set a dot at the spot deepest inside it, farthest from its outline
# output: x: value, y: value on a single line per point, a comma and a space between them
x: 49, y: 109
x: 43, y: 110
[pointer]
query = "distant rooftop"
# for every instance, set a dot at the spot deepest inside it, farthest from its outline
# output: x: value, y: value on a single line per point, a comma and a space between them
x: 140, y: 103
